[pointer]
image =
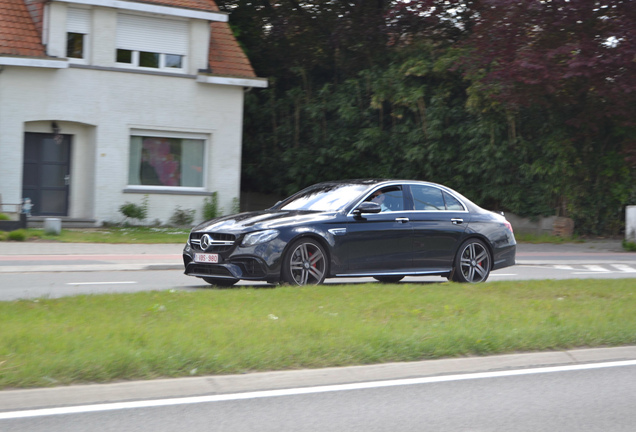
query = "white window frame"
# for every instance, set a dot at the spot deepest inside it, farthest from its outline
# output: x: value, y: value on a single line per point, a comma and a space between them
x: 131, y: 38
x: 170, y: 134
x: 80, y: 25
x: 134, y: 63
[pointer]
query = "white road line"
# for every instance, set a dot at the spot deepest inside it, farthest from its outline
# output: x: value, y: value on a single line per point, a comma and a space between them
x: 302, y: 391
x: 102, y: 283
x: 592, y: 273
x: 564, y: 267
x: 596, y: 268
x: 624, y: 268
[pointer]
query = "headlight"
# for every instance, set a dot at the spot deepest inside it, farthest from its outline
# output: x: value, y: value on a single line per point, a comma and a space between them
x: 259, y: 237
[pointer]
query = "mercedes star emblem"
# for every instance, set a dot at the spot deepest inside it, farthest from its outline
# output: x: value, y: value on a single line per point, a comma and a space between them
x: 206, y: 241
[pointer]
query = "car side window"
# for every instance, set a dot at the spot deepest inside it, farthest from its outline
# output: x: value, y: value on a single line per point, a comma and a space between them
x: 390, y: 198
x: 453, y: 203
x: 427, y: 198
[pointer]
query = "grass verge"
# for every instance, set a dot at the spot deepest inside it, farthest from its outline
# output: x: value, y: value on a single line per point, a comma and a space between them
x: 147, y: 235
x: 148, y: 335
x: 546, y: 238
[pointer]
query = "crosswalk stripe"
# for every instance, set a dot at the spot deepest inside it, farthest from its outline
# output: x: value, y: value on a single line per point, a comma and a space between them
x: 624, y: 268
x: 564, y: 267
x: 596, y: 268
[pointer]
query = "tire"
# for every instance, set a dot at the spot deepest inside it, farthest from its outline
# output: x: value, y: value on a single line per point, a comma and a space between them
x: 305, y: 263
x: 221, y: 282
x: 472, y: 263
x: 388, y: 279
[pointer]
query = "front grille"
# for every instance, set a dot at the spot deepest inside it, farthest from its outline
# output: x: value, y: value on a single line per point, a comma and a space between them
x: 221, y: 242
x: 208, y: 270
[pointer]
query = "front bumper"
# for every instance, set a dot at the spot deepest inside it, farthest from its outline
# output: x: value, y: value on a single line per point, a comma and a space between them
x: 230, y: 266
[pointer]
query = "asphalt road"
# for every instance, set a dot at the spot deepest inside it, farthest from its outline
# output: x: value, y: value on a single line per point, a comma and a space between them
x: 25, y: 284
x: 569, y: 395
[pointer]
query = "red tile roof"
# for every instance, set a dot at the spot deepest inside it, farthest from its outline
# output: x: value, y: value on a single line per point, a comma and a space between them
x: 226, y: 57
x: 21, y: 28
x: 18, y: 33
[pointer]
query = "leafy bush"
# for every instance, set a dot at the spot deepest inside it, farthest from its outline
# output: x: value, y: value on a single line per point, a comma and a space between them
x: 18, y: 235
x: 629, y: 246
x: 3, y: 235
x: 211, y: 206
x: 236, y: 205
x: 135, y: 211
x: 182, y: 217
x: 4, y: 217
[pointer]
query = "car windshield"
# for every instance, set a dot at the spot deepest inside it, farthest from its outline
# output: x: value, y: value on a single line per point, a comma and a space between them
x: 326, y: 197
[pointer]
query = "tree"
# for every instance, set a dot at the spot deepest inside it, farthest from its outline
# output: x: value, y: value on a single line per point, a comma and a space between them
x: 573, y: 59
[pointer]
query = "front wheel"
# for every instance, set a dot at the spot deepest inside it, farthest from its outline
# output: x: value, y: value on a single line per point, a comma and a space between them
x: 472, y: 263
x: 305, y: 263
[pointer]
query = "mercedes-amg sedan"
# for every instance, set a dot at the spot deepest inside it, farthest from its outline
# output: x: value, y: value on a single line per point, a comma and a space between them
x: 385, y: 229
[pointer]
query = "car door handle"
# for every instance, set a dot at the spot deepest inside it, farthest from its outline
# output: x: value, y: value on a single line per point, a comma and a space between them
x: 457, y: 221
x: 402, y: 220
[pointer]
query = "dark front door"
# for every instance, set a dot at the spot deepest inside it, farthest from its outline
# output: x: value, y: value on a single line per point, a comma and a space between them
x: 45, y: 175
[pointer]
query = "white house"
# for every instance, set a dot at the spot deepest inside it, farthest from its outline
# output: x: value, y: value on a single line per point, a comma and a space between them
x: 104, y: 102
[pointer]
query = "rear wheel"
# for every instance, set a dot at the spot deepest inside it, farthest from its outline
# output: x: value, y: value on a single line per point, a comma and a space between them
x: 472, y: 263
x: 388, y: 279
x: 222, y: 282
x: 305, y: 263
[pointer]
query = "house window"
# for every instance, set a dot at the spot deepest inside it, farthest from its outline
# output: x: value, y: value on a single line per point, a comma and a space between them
x: 147, y: 59
x: 78, y: 26
x: 151, y: 42
x: 165, y: 161
x: 124, y: 56
x: 75, y: 45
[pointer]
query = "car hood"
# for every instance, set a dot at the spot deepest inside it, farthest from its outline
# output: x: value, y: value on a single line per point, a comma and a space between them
x: 261, y: 220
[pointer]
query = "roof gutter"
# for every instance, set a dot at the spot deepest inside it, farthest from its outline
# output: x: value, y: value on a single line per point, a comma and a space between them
x: 241, y: 82
x: 34, y: 62
x: 154, y: 9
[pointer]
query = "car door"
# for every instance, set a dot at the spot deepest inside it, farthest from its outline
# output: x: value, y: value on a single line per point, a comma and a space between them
x: 382, y: 242
x: 439, y: 221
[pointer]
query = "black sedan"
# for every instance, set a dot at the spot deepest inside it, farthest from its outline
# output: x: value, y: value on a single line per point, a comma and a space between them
x: 385, y: 229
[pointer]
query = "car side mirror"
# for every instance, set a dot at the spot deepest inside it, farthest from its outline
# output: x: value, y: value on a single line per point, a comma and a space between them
x: 367, y: 207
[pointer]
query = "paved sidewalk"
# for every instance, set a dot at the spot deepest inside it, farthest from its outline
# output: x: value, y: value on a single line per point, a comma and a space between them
x: 54, y: 256
x: 588, y: 252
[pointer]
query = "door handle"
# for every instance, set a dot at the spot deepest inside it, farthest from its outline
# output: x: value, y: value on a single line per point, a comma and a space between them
x: 67, y: 179
x: 457, y: 221
x: 402, y: 220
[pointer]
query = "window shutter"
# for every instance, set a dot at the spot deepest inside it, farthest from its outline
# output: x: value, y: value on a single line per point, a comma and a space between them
x: 139, y: 33
x: 78, y: 20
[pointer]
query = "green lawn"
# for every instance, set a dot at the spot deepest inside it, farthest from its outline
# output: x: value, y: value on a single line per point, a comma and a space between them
x: 148, y: 235
x: 102, y: 338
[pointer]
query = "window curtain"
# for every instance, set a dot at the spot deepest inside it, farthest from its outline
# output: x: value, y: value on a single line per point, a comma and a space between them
x: 191, y: 163
x: 134, y: 167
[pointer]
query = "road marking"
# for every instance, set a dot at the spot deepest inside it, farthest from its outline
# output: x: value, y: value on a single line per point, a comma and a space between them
x: 102, y: 283
x: 624, y: 268
x: 503, y: 274
x: 596, y: 268
x: 564, y: 267
x: 80, y: 409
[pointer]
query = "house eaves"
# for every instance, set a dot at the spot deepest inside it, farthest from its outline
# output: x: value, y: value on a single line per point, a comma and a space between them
x: 199, y: 9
